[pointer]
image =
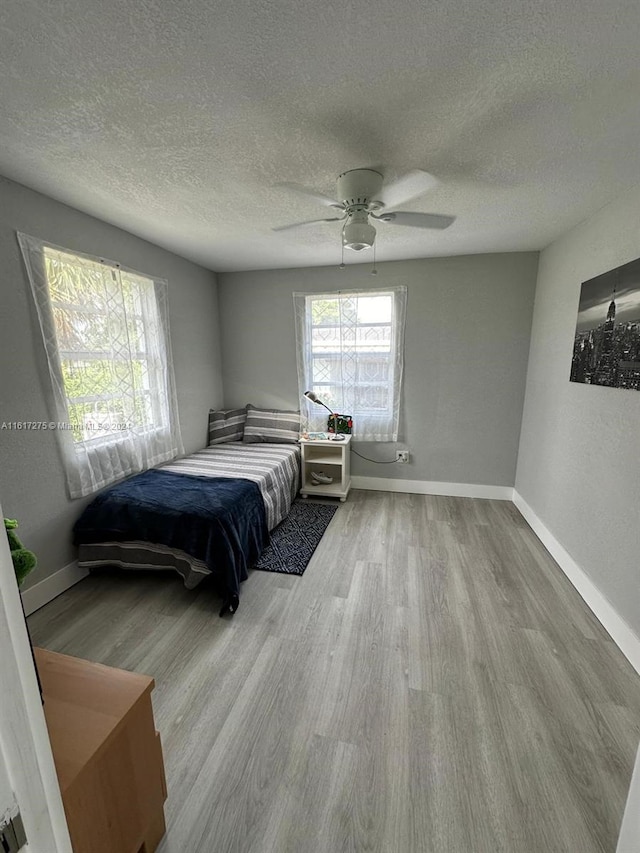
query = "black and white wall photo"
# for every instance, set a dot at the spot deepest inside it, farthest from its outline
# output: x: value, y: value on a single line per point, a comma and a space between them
x: 606, y: 350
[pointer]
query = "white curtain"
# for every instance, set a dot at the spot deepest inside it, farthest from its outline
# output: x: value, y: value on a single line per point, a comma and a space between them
x: 106, y: 334
x: 350, y: 351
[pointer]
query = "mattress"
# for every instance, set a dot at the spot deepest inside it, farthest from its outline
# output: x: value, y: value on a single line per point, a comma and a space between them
x: 274, y: 468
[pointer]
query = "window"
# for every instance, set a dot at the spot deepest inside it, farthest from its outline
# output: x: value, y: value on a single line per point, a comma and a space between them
x: 350, y: 352
x: 106, y: 336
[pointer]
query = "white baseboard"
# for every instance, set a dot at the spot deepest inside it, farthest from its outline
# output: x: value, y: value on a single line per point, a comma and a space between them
x: 433, y: 487
x: 46, y: 590
x: 629, y: 838
x: 622, y: 635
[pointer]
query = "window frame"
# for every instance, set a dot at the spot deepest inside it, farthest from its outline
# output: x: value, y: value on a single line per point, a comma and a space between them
x: 161, y: 419
x: 370, y: 423
x: 92, y: 463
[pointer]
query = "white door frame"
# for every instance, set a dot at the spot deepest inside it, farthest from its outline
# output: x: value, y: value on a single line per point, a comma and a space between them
x: 25, y: 750
x: 8, y: 805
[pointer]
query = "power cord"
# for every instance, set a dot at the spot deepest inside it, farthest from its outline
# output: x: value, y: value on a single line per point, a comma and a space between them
x: 377, y: 461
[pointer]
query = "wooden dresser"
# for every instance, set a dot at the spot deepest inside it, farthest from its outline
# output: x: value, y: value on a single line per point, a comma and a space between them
x: 107, y: 754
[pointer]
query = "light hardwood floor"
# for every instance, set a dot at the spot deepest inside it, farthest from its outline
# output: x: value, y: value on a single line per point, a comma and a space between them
x: 433, y: 684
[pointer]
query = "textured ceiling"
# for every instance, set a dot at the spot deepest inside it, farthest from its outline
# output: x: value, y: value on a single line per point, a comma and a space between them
x: 175, y: 120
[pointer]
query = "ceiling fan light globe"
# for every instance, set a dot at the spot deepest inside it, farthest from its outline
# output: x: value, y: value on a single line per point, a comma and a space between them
x: 358, y: 236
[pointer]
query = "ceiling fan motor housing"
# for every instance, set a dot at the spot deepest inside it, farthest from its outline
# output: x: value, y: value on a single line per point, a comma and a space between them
x: 359, y: 187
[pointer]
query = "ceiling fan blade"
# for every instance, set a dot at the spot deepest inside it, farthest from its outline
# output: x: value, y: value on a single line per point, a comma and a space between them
x: 409, y: 186
x: 316, y: 196
x: 308, y: 222
x: 417, y: 220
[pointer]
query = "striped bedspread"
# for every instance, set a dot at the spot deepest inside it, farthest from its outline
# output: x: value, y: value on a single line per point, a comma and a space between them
x: 275, y: 468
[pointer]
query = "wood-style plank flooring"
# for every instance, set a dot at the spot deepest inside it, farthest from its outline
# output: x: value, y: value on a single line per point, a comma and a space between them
x: 433, y: 684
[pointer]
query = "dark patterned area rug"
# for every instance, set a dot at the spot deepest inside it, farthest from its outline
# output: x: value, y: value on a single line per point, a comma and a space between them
x: 296, y: 538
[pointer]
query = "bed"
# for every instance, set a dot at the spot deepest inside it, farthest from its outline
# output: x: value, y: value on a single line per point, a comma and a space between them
x: 207, y: 515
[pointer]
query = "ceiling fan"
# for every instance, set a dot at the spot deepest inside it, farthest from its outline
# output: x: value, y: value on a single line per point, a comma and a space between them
x: 362, y: 198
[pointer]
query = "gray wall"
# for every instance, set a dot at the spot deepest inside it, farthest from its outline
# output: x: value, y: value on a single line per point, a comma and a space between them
x: 579, y: 463
x: 32, y: 483
x: 466, y: 348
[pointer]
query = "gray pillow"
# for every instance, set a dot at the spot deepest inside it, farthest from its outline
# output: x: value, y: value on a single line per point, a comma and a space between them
x: 271, y: 425
x: 226, y: 426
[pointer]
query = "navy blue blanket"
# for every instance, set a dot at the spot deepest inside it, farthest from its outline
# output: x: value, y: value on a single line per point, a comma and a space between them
x: 216, y: 519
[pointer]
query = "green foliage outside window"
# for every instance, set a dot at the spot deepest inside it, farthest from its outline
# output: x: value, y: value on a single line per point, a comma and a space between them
x: 101, y: 335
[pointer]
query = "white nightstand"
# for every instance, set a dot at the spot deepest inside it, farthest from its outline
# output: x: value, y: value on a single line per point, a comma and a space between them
x: 332, y: 458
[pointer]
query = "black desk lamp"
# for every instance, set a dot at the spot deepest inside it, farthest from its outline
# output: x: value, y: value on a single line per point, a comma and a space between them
x: 311, y: 395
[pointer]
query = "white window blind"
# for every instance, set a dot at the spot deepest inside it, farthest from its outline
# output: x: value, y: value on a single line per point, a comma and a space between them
x: 105, y: 331
x: 350, y: 352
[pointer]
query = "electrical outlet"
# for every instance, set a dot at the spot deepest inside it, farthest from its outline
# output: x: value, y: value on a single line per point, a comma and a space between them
x: 402, y: 455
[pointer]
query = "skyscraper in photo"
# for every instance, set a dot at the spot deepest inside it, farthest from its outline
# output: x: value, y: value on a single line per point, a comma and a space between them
x: 606, y: 366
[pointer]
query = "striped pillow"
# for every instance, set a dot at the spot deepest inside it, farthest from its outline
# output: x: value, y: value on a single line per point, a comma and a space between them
x: 226, y: 426
x: 271, y: 425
